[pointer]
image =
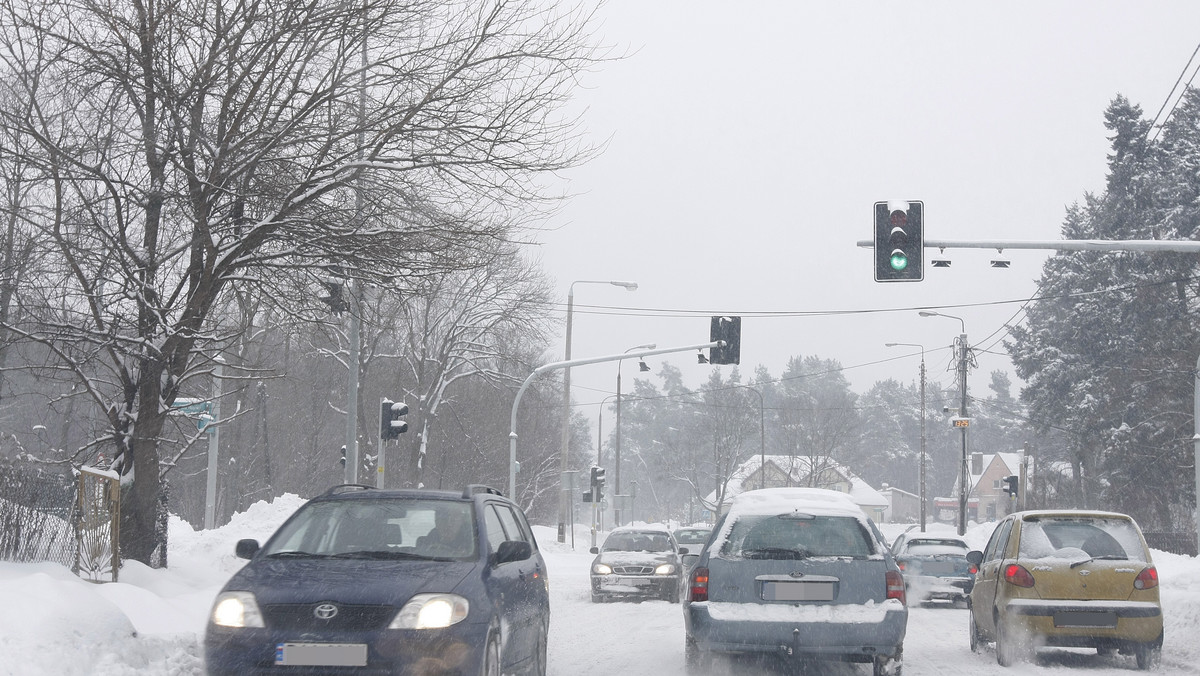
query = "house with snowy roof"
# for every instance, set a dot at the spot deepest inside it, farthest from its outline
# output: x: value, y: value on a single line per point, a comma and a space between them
x: 986, y: 499
x: 772, y: 471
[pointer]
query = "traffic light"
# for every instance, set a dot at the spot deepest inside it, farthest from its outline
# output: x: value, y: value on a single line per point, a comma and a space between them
x: 899, y: 241
x: 729, y: 330
x: 597, y: 484
x: 1010, y: 485
x: 391, y: 419
x: 336, y: 300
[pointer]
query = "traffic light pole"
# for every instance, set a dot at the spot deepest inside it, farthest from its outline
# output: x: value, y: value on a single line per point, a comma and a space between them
x: 554, y: 366
x: 1189, y: 246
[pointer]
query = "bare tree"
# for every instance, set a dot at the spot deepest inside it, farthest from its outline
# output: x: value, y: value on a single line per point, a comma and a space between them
x: 186, y: 149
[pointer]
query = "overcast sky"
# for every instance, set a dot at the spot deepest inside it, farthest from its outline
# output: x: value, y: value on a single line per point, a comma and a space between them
x: 747, y: 142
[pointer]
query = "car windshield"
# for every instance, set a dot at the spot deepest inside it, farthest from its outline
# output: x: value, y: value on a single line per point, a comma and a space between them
x: 637, y: 542
x: 382, y: 528
x: 1081, y: 538
x: 796, y: 536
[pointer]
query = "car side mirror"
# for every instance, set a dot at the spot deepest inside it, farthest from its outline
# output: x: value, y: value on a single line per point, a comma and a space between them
x: 246, y: 549
x: 594, y: 550
x: 975, y: 557
x: 513, y: 550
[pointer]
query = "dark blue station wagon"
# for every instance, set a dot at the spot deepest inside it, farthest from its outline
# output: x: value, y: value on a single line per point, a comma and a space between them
x: 398, y: 582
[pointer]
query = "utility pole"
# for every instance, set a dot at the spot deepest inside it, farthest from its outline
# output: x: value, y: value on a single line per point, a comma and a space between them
x: 965, y: 490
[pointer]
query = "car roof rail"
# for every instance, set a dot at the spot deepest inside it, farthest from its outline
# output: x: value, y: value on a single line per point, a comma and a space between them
x: 346, y: 488
x: 472, y: 489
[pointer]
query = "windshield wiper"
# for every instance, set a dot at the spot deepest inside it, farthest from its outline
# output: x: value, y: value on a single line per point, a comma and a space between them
x: 384, y: 555
x: 1105, y: 557
x: 774, y: 553
x: 296, y: 555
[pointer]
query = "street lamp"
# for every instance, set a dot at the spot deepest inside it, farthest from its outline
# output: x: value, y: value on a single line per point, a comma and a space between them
x: 964, y: 477
x: 563, y: 493
x: 924, y: 504
x: 617, y: 448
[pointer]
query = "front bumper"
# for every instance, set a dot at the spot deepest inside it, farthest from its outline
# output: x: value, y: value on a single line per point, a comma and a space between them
x: 453, y: 651
x: 615, y: 585
x: 856, y: 633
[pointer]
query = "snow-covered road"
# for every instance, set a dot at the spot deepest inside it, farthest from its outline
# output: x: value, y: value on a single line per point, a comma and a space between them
x: 646, y: 638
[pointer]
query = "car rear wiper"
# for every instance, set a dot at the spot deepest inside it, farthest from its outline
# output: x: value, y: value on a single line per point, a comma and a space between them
x: 775, y: 553
x: 1104, y: 557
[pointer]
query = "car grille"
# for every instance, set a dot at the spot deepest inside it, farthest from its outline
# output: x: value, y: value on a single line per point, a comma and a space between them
x: 633, y: 570
x: 300, y: 616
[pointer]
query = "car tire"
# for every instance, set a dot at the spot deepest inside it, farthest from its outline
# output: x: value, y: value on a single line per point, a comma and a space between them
x: 597, y: 598
x: 1007, y: 650
x: 539, y: 655
x: 491, y: 658
x: 698, y: 662
x: 1148, y: 655
x: 976, y: 638
x: 888, y: 666
x: 673, y: 595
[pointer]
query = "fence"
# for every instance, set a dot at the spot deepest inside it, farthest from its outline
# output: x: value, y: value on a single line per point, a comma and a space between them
x: 1176, y: 543
x: 48, y: 516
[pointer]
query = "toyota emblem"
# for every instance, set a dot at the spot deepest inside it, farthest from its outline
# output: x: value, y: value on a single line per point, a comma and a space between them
x: 325, y: 611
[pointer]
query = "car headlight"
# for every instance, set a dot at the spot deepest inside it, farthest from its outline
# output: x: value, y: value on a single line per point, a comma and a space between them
x: 665, y: 569
x: 431, y: 611
x: 236, y: 609
x: 602, y: 569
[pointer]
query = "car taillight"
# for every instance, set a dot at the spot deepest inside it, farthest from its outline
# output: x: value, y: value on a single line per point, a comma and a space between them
x: 901, y: 564
x: 1017, y: 575
x: 1147, y: 579
x: 972, y: 569
x: 895, y: 585
x: 698, y: 588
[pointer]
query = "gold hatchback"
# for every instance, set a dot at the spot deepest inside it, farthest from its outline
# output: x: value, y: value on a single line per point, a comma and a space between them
x: 1066, y: 578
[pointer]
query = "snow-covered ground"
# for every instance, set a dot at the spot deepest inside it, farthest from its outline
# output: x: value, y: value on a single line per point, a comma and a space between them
x: 152, y: 621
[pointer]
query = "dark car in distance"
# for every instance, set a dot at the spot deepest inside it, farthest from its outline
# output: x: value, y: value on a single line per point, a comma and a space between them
x: 935, y: 568
x: 637, y: 562
x: 691, y: 538
x: 366, y: 581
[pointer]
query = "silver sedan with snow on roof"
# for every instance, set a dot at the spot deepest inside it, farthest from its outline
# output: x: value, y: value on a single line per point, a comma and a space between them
x: 637, y: 563
x: 795, y: 572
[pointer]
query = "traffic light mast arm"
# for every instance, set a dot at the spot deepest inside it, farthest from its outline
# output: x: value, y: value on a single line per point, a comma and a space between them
x: 1135, y: 245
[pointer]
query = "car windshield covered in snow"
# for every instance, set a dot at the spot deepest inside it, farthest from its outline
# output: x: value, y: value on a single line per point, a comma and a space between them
x: 378, y: 529
x: 638, y: 542
x: 796, y: 535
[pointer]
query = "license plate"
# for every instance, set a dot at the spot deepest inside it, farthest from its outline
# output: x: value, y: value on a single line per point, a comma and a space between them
x: 321, y: 654
x: 1085, y: 619
x: 937, y: 568
x: 797, y: 591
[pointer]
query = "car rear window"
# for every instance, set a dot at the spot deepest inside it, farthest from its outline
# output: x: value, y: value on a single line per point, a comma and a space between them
x: 1075, y: 537
x: 796, y: 535
x: 935, y: 548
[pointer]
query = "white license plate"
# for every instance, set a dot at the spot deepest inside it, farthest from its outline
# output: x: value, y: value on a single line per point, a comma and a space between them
x: 797, y: 591
x: 321, y: 654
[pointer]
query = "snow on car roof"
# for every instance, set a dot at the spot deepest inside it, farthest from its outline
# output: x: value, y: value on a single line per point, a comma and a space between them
x: 806, y: 500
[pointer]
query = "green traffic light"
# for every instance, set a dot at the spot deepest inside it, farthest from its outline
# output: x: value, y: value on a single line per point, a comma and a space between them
x: 899, y: 261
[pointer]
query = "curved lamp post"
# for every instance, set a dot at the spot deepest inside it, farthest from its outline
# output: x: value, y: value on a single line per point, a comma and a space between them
x: 563, y: 496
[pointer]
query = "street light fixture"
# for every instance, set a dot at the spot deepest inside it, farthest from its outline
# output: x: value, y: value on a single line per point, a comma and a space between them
x: 617, y: 448
x: 564, y: 496
x: 964, y: 478
x: 924, y: 503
